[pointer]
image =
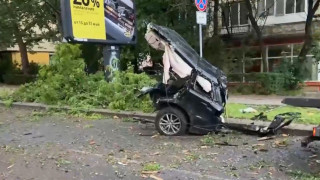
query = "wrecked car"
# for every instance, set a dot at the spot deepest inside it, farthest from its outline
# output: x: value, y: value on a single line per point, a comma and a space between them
x: 193, y: 93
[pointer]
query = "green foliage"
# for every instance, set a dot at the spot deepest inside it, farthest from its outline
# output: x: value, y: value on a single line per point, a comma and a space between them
x: 176, y: 14
x: 260, y: 83
x: 5, y: 94
x: 215, y: 52
x: 292, y: 72
x: 92, y: 55
x: 316, y: 51
x: 18, y: 79
x: 11, y: 73
x: 33, y: 68
x: 244, y: 89
x: 65, y: 82
x: 208, y: 140
x: 18, y: 19
x: 192, y: 157
x: 270, y: 83
x: 298, y: 175
x: 26, y: 23
x: 285, y: 79
x: 151, y: 167
x: 8, y: 103
x: 5, y: 64
x: 308, y: 115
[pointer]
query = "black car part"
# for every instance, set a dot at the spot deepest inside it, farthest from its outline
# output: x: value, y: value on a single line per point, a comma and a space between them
x: 280, y: 121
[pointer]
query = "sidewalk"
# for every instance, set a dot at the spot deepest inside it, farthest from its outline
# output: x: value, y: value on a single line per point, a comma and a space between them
x: 8, y: 87
x: 256, y: 99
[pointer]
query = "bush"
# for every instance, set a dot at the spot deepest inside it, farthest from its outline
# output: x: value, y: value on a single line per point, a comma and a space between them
x: 17, y: 79
x: 33, y: 68
x: 287, y: 77
x: 244, y: 89
x: 5, y: 65
x: 269, y: 83
x: 65, y: 82
x: 11, y: 73
x: 293, y: 74
x: 260, y: 83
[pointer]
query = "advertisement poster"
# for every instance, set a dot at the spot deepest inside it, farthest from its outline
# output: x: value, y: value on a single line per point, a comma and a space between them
x: 87, y: 19
x: 120, y: 20
x: 110, y: 22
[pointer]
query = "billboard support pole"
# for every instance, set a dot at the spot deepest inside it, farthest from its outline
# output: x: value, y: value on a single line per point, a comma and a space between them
x: 111, y: 61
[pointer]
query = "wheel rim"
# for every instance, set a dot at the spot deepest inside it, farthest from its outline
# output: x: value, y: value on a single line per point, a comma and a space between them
x: 170, y: 124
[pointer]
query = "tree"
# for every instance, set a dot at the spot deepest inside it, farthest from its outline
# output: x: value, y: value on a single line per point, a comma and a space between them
x: 257, y: 20
x: 54, y: 7
x: 216, y: 17
x: 179, y: 15
x: 25, y: 23
x: 312, y: 8
x: 254, y: 17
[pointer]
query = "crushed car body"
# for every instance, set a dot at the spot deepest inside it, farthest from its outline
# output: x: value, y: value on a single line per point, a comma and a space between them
x: 193, y: 93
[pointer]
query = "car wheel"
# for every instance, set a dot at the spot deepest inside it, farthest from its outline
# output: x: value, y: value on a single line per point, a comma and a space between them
x: 171, y: 121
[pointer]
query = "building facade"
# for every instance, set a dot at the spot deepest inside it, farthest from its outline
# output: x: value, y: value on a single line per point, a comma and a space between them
x: 283, y: 26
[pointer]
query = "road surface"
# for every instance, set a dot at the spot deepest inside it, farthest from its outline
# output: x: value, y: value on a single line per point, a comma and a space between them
x: 39, y: 145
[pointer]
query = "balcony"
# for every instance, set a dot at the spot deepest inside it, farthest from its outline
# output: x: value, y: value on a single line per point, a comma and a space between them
x: 240, y: 29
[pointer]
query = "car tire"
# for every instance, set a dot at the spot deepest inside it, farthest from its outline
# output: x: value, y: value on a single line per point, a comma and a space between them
x: 171, y: 121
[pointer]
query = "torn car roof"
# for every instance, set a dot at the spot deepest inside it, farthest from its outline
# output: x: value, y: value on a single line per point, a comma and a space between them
x: 189, y: 55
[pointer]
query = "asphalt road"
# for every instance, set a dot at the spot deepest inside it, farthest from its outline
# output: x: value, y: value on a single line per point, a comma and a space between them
x: 38, y: 145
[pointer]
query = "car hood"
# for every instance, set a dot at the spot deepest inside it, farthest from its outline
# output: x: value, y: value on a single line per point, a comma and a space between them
x: 186, y: 52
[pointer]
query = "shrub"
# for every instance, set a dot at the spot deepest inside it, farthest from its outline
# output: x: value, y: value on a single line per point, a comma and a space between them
x: 245, y: 89
x: 292, y: 72
x: 260, y: 83
x: 5, y: 64
x: 65, y: 82
x: 269, y: 83
x: 33, y: 68
x: 11, y: 73
x: 17, y: 79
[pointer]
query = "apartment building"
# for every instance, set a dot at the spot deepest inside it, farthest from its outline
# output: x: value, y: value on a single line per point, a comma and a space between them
x: 282, y: 23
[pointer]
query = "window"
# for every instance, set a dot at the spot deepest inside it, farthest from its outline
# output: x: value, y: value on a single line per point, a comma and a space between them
x: 261, y: 6
x: 243, y: 14
x: 225, y: 17
x: 300, y: 6
x: 270, y: 7
x: 290, y: 6
x: 236, y: 13
x: 281, y: 7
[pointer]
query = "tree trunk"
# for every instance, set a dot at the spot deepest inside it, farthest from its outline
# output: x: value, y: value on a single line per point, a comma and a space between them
x: 215, y: 18
x: 265, y: 64
x: 308, y: 29
x: 24, y: 55
x: 258, y: 32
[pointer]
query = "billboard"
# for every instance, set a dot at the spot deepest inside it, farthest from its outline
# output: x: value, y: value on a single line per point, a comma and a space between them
x: 110, y: 22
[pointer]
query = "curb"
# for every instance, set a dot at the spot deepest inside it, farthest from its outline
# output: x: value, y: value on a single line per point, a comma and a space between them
x: 238, y: 124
